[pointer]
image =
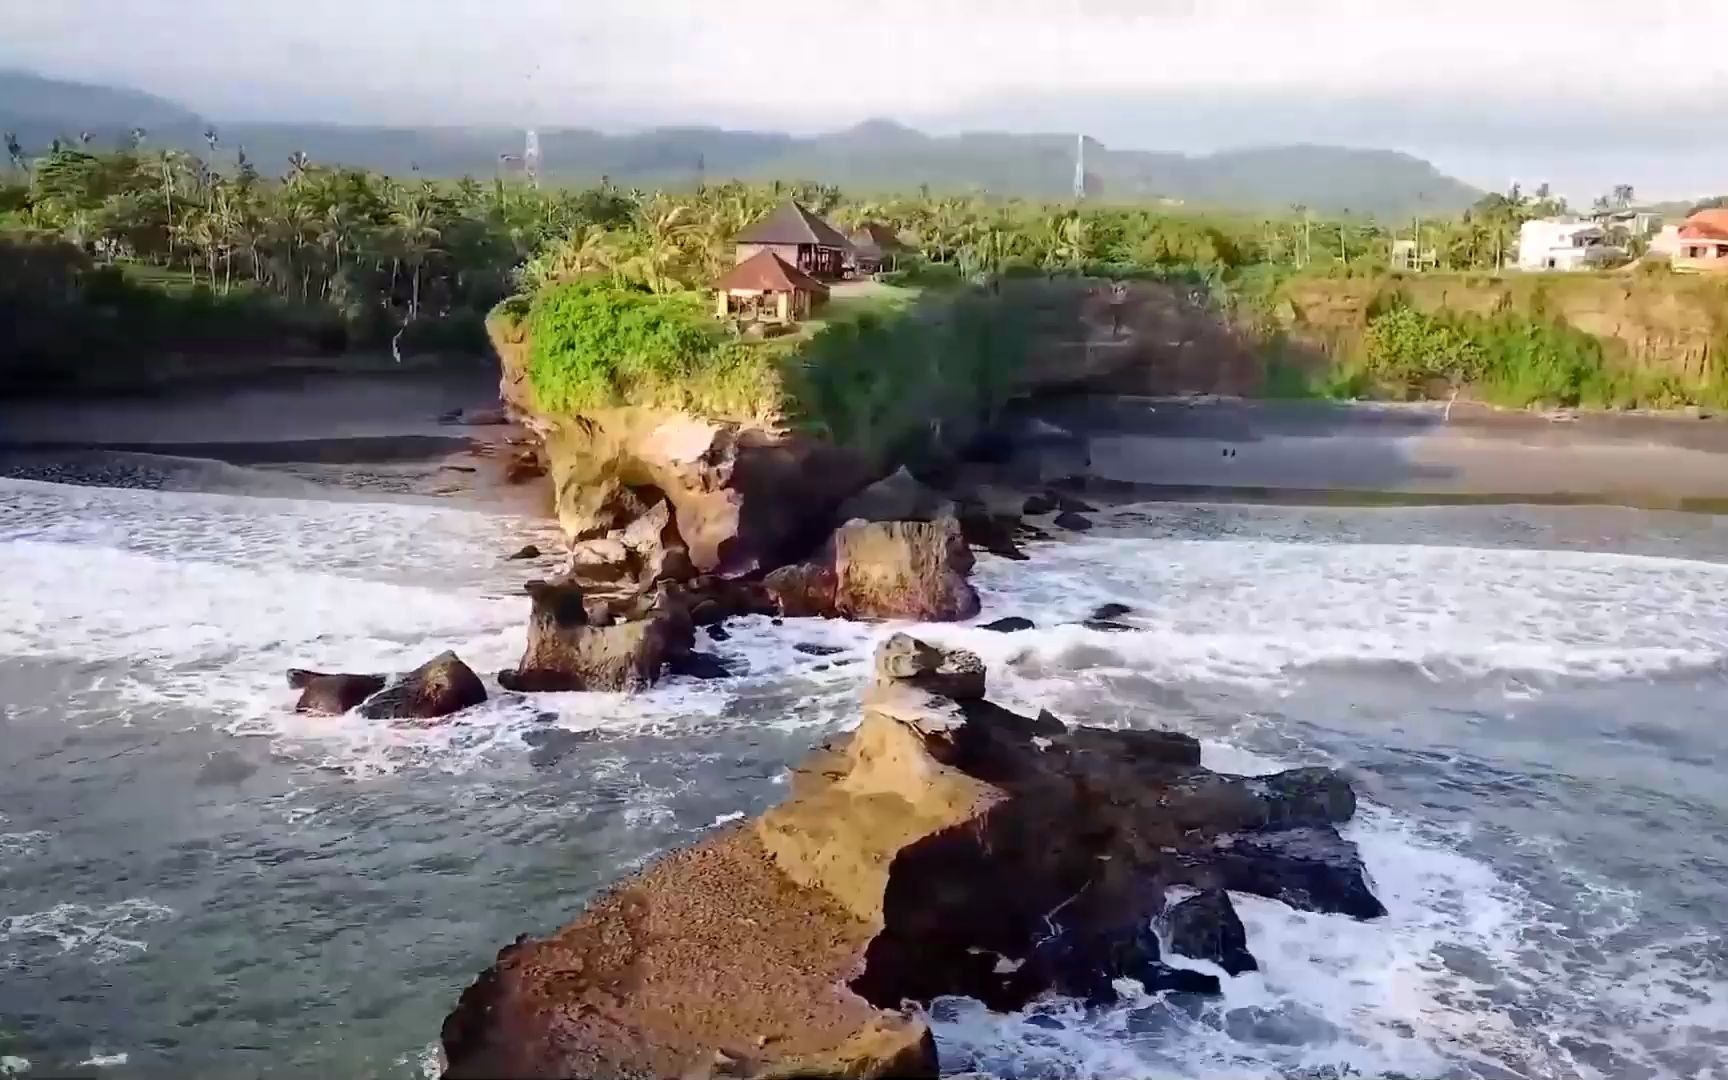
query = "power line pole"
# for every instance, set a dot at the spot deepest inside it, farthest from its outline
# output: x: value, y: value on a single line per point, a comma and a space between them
x: 1079, y: 168
x: 531, y: 158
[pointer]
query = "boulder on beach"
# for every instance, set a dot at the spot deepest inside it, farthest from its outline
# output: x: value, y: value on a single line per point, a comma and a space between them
x: 437, y: 688
x: 882, y: 570
x: 331, y: 695
x: 1013, y: 624
x: 568, y: 649
x: 1072, y: 520
x: 946, y: 846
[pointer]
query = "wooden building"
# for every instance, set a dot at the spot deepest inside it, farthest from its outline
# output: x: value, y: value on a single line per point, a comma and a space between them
x: 767, y: 288
x: 799, y: 238
x: 874, y: 247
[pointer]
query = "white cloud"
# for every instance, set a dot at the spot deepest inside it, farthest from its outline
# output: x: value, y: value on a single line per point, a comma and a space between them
x: 495, y: 59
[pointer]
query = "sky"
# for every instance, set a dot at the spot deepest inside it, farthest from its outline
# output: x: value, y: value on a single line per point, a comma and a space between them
x: 1582, y: 93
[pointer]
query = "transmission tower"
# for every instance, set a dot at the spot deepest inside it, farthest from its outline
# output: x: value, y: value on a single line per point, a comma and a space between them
x: 531, y: 157
x: 1079, y: 168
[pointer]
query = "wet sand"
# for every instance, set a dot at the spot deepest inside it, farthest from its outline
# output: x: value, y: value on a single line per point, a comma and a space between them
x: 389, y: 435
x: 1315, y: 449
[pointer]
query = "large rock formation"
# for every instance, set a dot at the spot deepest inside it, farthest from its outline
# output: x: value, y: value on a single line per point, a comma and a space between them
x: 946, y: 846
x: 744, y: 498
x: 617, y: 644
x: 882, y: 570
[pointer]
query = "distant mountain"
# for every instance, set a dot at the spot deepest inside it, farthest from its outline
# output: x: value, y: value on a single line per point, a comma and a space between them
x: 39, y: 110
x: 876, y: 156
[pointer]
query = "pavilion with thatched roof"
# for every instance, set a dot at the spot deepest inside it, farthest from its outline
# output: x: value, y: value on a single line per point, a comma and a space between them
x: 874, y: 247
x: 767, y: 288
x: 800, y: 238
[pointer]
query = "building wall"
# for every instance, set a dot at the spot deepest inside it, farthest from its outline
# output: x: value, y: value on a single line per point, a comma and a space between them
x: 1555, y: 245
x: 1713, y: 261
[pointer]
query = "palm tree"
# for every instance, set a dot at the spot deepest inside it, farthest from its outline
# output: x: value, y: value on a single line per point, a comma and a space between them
x: 15, y: 151
x: 413, y: 219
x: 1623, y: 195
x: 664, y: 227
x: 298, y: 163
x: 85, y: 137
x: 211, y: 139
x: 137, y: 135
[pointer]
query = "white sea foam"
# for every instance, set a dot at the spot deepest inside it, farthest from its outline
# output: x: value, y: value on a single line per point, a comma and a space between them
x: 1423, y: 992
x: 207, y: 599
x: 99, y: 1060
x: 1259, y: 612
x: 18, y: 846
x: 95, y: 934
x: 13, y: 1065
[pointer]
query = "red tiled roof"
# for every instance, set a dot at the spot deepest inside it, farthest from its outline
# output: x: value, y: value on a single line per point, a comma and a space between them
x: 790, y: 223
x: 1706, y: 225
x: 766, y: 271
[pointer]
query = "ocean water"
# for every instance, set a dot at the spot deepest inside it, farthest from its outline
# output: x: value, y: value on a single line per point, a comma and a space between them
x: 194, y: 881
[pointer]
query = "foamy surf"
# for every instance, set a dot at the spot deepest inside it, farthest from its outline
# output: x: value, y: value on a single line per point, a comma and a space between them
x: 95, y: 934
x: 182, y: 604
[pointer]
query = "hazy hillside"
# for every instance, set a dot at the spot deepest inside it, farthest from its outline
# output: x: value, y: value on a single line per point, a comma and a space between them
x: 40, y: 110
x: 878, y: 156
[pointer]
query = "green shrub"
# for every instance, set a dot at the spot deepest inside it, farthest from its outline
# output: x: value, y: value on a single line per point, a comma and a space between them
x: 1406, y: 350
x: 593, y: 342
x: 1508, y: 358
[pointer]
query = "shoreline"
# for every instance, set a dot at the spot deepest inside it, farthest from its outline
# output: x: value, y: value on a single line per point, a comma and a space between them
x: 1380, y: 454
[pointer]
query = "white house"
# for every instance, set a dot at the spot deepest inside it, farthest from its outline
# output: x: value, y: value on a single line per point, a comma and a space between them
x: 1564, y: 245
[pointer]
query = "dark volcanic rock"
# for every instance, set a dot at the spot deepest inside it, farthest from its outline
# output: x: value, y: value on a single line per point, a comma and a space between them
x: 1111, y: 611
x: 1011, y: 625
x: 1105, y: 626
x: 332, y: 695
x: 527, y: 551
x: 437, y: 688
x: 897, y: 497
x: 810, y: 648
x: 1070, y: 504
x: 1311, y: 869
x: 946, y: 846
x: 699, y: 665
x: 994, y: 533
x: 1039, y: 504
x: 1206, y: 927
x: 1072, y: 520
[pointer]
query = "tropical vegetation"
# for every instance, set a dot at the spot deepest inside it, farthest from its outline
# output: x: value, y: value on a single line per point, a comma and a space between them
x: 127, y: 252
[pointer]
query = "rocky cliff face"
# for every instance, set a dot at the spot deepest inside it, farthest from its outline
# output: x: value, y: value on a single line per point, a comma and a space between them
x: 744, y: 498
x: 947, y: 846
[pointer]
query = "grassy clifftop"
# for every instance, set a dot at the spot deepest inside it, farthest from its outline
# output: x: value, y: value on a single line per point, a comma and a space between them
x: 884, y: 372
x: 1650, y: 340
